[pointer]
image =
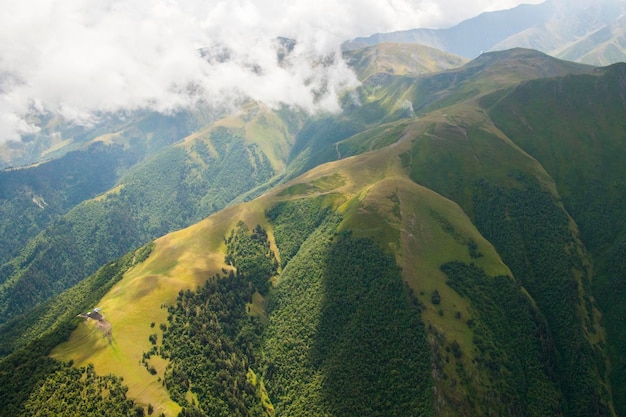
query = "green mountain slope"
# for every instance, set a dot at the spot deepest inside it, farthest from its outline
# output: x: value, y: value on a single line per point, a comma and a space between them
x: 32, y: 198
x: 580, y: 143
x: 56, y: 248
x: 45, y: 187
x: 144, y: 132
x: 323, y: 297
x: 460, y: 258
x: 177, y: 186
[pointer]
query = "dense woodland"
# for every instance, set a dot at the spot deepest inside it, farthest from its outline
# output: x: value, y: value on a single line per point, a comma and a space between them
x: 582, y: 146
x: 28, y: 368
x: 211, y: 343
x: 226, y: 361
x: 32, y: 198
x: 344, y: 335
x: 169, y: 191
x: 532, y: 233
x: 79, y: 391
x: 211, y: 340
x: 515, y: 347
x: 326, y: 325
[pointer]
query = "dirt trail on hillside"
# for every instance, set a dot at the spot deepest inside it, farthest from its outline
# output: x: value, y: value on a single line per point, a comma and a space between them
x: 106, y: 328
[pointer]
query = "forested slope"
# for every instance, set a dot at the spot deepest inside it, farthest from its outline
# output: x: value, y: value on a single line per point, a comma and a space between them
x: 575, y: 127
x: 462, y: 258
x: 150, y: 187
x: 174, y: 188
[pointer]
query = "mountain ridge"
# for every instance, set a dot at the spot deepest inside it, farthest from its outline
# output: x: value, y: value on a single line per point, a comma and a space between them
x: 479, y: 244
x: 587, y: 32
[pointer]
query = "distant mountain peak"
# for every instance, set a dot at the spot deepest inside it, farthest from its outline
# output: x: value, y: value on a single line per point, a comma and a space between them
x: 582, y: 30
x: 400, y: 59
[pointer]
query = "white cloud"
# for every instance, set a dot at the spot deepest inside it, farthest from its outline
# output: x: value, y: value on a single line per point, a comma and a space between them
x: 80, y: 58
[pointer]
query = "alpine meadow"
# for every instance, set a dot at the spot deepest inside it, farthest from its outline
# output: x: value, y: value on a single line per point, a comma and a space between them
x: 449, y: 241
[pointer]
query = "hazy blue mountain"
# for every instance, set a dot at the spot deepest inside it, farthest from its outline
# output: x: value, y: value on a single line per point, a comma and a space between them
x: 585, y: 31
x: 471, y: 37
x: 143, y: 132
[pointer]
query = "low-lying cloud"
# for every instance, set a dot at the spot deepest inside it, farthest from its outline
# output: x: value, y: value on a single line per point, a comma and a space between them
x: 82, y: 58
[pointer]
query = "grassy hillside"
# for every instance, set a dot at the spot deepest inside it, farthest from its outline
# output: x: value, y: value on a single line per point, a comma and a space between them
x: 177, y: 186
x: 400, y: 59
x: 460, y: 259
x: 136, y: 302
x: 372, y: 199
x: 24, y: 371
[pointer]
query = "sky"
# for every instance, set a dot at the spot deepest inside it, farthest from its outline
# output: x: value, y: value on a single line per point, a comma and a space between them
x: 82, y: 59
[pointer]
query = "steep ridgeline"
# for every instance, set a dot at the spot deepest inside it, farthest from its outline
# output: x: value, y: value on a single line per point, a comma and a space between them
x: 58, y: 177
x: 60, y: 241
x: 574, y: 126
x: 31, y: 383
x: 33, y: 197
x: 568, y: 124
x: 141, y: 132
x: 463, y: 258
x: 342, y: 329
x: 172, y: 189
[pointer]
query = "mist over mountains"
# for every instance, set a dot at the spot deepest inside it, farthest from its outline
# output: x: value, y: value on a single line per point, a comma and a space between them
x: 45, y: 112
x: 64, y: 60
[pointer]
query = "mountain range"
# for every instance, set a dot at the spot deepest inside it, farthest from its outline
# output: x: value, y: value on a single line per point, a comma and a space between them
x: 451, y: 243
x: 591, y: 32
